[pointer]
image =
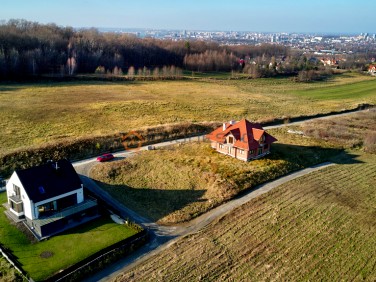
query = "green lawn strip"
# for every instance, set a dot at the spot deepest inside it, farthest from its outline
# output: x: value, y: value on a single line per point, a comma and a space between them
x: 66, y: 248
x: 178, y: 183
x: 362, y: 89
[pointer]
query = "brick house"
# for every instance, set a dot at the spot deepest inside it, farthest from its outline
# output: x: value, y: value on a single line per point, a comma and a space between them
x: 242, y: 140
x: 372, y: 69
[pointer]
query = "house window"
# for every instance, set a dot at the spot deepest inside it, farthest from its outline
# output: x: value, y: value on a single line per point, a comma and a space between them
x: 251, y: 152
x: 230, y: 139
x: 220, y: 146
x: 259, y: 151
x: 16, y: 207
x: 241, y: 152
x: 16, y: 190
x: 48, y: 207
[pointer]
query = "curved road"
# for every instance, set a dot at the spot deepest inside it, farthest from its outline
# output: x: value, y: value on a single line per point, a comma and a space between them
x: 163, y: 236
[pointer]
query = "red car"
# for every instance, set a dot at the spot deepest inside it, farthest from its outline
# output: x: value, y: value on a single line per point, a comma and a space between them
x: 105, y: 157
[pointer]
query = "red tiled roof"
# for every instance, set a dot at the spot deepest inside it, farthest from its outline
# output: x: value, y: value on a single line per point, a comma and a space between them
x: 246, y: 134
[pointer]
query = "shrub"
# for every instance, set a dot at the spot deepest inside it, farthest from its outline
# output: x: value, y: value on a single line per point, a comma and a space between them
x: 80, y: 148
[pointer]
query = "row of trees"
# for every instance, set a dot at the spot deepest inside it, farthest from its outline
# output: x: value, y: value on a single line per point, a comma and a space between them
x: 29, y: 49
x: 155, y: 73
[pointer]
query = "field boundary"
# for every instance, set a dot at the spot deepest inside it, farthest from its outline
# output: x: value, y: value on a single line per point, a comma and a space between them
x: 88, y: 147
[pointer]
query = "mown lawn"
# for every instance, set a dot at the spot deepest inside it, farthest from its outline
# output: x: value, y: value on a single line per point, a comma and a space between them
x: 178, y: 183
x: 320, y: 227
x: 42, y: 259
x: 32, y: 114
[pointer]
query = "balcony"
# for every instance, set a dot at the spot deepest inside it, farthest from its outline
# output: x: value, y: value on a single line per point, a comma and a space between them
x: 87, y: 204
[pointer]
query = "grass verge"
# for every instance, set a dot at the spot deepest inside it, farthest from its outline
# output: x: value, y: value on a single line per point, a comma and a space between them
x: 43, y: 259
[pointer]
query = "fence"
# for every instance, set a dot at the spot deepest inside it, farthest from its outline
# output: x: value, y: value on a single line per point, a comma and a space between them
x: 101, y: 259
x: 14, y: 263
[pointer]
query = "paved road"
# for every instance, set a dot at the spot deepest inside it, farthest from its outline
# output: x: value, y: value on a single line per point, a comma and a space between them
x: 163, y: 236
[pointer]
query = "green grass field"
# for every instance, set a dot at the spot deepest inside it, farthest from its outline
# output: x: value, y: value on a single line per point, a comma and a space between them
x: 319, y: 227
x: 32, y: 114
x: 66, y: 248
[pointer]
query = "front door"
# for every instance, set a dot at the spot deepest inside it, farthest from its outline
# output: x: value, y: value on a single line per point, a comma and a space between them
x: 259, y: 151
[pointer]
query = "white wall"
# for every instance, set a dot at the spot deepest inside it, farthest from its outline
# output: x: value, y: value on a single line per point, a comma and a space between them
x: 30, y: 208
x: 25, y: 199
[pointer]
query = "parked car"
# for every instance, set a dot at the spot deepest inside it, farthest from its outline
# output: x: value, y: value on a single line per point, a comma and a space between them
x: 105, y: 157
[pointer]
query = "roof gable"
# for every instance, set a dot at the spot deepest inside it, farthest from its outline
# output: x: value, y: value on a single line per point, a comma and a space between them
x: 45, y: 181
x: 247, y: 134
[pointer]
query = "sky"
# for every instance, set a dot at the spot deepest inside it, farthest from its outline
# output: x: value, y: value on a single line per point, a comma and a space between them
x: 320, y: 16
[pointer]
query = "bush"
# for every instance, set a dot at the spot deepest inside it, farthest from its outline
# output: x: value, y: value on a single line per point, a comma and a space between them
x: 80, y: 148
x: 313, y: 75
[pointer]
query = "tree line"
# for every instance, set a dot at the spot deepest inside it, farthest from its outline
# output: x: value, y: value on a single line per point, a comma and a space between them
x: 32, y: 49
x: 29, y: 49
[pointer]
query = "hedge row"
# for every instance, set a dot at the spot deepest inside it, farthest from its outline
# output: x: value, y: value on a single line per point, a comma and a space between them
x: 80, y: 148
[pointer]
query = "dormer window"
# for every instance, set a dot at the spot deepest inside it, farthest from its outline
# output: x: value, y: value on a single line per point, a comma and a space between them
x: 231, y: 140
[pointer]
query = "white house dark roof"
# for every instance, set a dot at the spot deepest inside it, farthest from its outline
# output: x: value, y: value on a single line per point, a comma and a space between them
x: 49, y: 180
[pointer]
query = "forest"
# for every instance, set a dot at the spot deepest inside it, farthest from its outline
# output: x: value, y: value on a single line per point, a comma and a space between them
x: 29, y: 49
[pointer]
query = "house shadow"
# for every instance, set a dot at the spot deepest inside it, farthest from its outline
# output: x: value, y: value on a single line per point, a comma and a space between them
x: 311, y: 155
x: 153, y: 204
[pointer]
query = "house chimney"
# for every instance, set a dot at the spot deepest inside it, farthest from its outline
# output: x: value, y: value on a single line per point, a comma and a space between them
x: 232, y: 122
x: 224, y: 126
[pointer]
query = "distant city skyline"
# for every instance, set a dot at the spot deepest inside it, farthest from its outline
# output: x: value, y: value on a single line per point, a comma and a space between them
x: 334, y: 16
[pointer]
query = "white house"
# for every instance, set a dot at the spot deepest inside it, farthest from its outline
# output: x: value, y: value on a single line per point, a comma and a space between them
x: 49, y: 198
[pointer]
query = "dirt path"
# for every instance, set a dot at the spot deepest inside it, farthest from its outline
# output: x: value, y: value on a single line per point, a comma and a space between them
x: 162, y: 237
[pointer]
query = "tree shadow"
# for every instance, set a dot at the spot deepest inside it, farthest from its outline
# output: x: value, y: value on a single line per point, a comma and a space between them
x: 8, y: 88
x: 64, y: 81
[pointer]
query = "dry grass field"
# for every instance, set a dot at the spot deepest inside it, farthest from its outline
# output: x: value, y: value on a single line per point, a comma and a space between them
x: 32, y: 114
x: 320, y: 227
x: 353, y: 131
x: 177, y: 183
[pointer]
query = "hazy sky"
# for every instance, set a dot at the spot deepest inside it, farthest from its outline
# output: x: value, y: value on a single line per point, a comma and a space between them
x: 345, y: 16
